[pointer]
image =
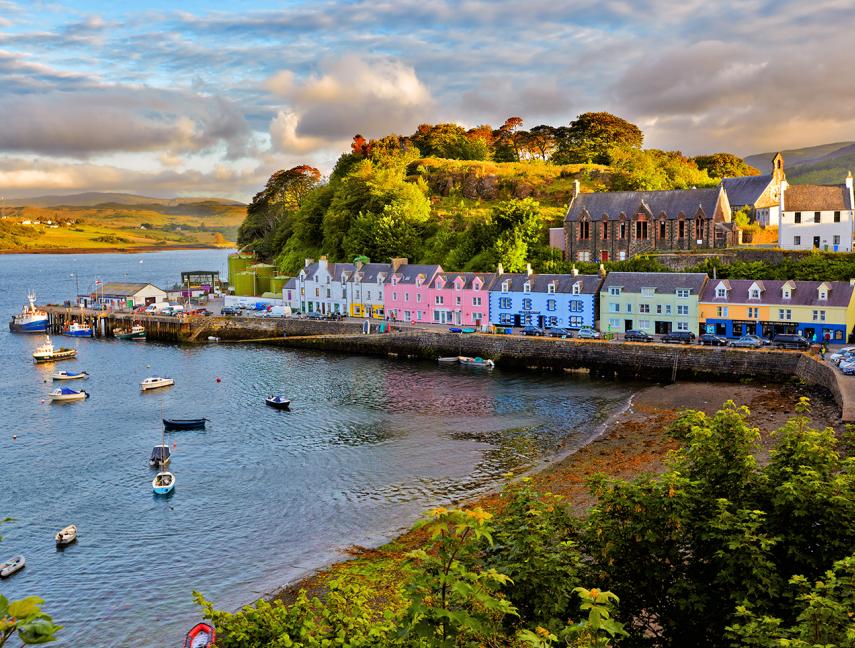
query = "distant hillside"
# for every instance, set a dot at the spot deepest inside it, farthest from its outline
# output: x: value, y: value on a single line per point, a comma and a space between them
x: 93, y: 198
x: 823, y: 164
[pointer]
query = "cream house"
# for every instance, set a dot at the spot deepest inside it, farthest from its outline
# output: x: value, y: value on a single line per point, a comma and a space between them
x: 816, y: 217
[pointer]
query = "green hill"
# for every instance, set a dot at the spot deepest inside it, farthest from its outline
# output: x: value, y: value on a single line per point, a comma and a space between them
x: 93, y: 198
x: 823, y: 164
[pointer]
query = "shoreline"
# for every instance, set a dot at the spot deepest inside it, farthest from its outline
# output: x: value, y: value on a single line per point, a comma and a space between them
x: 632, y: 441
x: 118, y: 250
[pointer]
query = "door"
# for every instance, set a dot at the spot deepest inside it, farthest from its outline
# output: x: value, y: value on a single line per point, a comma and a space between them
x: 516, y: 320
x: 604, y: 256
x: 627, y: 325
x: 816, y: 242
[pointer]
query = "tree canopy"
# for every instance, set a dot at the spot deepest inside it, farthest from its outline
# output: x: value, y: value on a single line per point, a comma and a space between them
x: 724, y: 165
x: 592, y: 137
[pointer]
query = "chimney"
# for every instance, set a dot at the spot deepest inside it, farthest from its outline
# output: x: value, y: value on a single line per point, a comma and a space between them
x: 713, y: 273
x: 500, y: 270
x: 574, y: 271
x: 528, y: 269
x: 602, y: 271
x: 323, y: 264
x: 849, y: 180
x: 309, y: 262
x: 576, y: 190
x: 397, y: 263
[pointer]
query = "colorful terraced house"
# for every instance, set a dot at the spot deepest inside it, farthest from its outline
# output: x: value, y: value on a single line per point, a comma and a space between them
x: 406, y: 295
x: 461, y: 298
x: 814, y: 309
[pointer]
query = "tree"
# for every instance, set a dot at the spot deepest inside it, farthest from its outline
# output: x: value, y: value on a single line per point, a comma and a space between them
x: 652, y: 170
x: 508, y: 140
x: 449, y: 141
x: 541, y: 141
x: 591, y: 137
x: 724, y: 165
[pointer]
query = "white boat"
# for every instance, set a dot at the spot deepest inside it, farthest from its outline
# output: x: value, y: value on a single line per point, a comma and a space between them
x: 466, y: 361
x: 76, y: 329
x: 30, y: 319
x: 136, y: 332
x: 163, y: 483
x: 64, y: 394
x: 14, y: 564
x: 46, y: 352
x: 213, y: 338
x: 156, y: 382
x: 449, y: 360
x: 70, y: 375
x: 67, y: 535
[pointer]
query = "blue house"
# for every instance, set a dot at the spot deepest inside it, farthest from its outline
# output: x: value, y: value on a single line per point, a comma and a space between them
x: 545, y: 300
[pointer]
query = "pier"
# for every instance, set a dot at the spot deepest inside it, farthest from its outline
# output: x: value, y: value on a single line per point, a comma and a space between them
x: 158, y: 327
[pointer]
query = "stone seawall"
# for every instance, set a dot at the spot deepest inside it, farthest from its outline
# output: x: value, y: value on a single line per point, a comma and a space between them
x: 252, y: 328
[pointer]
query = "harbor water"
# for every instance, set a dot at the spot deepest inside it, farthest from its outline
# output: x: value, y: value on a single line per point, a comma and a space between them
x: 262, y: 497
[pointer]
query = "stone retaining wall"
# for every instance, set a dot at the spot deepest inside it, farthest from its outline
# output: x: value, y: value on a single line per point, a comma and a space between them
x: 251, y: 328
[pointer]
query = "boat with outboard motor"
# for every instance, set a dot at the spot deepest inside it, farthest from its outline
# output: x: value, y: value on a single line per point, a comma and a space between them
x: 136, y: 332
x: 70, y: 375
x: 67, y: 535
x: 184, y: 424
x: 64, y: 394
x: 159, y: 456
x: 46, y: 352
x: 76, y: 329
x: 30, y: 319
x: 278, y: 402
x: 201, y: 635
x: 163, y: 483
x: 156, y: 382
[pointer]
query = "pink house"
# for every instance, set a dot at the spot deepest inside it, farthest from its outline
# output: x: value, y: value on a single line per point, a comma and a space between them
x: 405, y: 294
x: 461, y: 298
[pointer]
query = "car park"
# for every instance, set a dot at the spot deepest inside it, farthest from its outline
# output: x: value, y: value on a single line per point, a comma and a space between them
x: 557, y: 331
x: 229, y: 310
x: 790, y: 341
x: 588, y: 333
x: 533, y: 331
x: 840, y: 354
x: 678, y: 337
x: 637, y: 336
x: 748, y: 342
x: 708, y: 339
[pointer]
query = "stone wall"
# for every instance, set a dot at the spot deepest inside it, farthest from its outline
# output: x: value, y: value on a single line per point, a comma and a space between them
x: 251, y: 328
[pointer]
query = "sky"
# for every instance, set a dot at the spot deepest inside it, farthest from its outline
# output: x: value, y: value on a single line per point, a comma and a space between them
x: 185, y: 97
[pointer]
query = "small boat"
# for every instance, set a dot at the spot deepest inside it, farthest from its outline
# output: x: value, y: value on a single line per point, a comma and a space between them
x: 455, y: 329
x: 46, y: 352
x: 449, y: 360
x: 30, y: 319
x: 136, y: 332
x: 163, y: 483
x: 159, y: 456
x: 65, y: 394
x: 466, y: 361
x: 76, y: 329
x: 468, y: 329
x: 156, y: 382
x: 201, y: 635
x: 67, y: 535
x: 278, y: 402
x: 14, y: 564
x: 184, y: 424
x: 70, y: 375
x: 213, y: 338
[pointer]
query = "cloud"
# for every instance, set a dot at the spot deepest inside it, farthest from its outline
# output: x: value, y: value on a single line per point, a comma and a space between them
x: 369, y: 95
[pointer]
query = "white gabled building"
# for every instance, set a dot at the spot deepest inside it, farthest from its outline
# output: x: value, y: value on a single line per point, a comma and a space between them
x: 817, y: 217
x: 319, y: 287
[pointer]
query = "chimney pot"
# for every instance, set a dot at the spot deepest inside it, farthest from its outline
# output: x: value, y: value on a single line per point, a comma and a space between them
x: 576, y: 188
x: 574, y: 271
x: 500, y: 270
x: 528, y: 269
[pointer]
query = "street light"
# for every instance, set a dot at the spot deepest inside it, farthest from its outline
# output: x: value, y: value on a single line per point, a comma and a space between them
x: 76, y: 286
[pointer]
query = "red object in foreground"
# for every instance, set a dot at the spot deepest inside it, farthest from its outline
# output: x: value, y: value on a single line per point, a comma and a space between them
x: 201, y: 635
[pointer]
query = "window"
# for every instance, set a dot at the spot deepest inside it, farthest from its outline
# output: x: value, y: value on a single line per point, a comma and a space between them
x: 788, y: 294
x: 682, y: 326
x: 662, y: 229
x: 368, y: 295
x: 682, y: 292
x: 550, y: 305
x: 506, y: 318
x: 584, y: 256
x: 575, y: 321
x: 552, y: 320
x: 797, y: 217
x: 648, y: 292
x: 614, y: 308
x: 357, y: 294
x: 823, y: 295
x: 755, y: 293
x: 584, y: 230
x: 837, y: 217
x: 407, y: 316
x: 476, y: 301
x: 394, y: 296
x: 658, y: 309
x: 505, y: 302
x: 817, y: 217
x: 644, y: 324
x: 721, y: 311
x: 753, y: 312
x: 641, y: 230
x: 721, y: 292
x: 506, y: 286
x: 629, y: 308
x: 667, y: 309
x: 457, y: 285
x: 622, y: 230
x: 576, y: 306
x: 644, y: 308
x: 329, y: 293
x: 797, y: 240
x: 622, y: 255
x: 682, y: 309
x: 419, y: 313
x: 614, y: 323
x: 836, y: 239
x: 477, y: 317
x: 819, y: 316
x: 614, y: 290
x: 406, y: 296
x: 457, y: 300
x: 438, y: 299
x: 551, y: 289
x: 784, y: 314
x: 526, y: 304
x: 418, y: 298
x: 681, y: 229
x: 527, y: 287
x: 317, y: 292
x: 605, y: 235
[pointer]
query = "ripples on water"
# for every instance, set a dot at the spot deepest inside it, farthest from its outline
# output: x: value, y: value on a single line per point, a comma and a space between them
x: 261, y: 496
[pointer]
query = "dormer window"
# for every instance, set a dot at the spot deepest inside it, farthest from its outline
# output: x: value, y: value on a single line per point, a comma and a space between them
x: 614, y: 290
x: 476, y: 285
x: 755, y: 293
x: 551, y: 289
x: 577, y: 288
x: 788, y: 294
x: 527, y: 287
x: 823, y: 295
x: 721, y: 292
x: 506, y: 285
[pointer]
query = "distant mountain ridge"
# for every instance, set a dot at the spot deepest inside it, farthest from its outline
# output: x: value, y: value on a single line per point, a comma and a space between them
x: 822, y: 164
x: 93, y: 198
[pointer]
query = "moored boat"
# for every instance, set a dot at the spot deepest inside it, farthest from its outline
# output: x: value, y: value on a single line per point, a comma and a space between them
x: 65, y: 394
x: 159, y: 456
x: 163, y: 483
x: 76, y: 329
x: 468, y: 329
x: 66, y: 535
x: 30, y: 319
x: 156, y: 382
x: 184, y: 424
x: 278, y: 402
x: 455, y: 329
x: 467, y: 361
x: 14, y: 564
x: 201, y: 635
x: 70, y: 375
x: 47, y: 353
x: 135, y: 332
x: 449, y: 360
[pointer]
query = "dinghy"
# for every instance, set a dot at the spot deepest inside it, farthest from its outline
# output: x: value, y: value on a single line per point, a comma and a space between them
x: 466, y: 361
x: 65, y: 394
x: 201, y: 635
x: 278, y: 402
x: 159, y: 456
x: 70, y: 375
x: 163, y: 483
x: 455, y: 329
x: 184, y: 424
x: 67, y: 535
x: 449, y: 360
x: 156, y: 382
x: 14, y: 564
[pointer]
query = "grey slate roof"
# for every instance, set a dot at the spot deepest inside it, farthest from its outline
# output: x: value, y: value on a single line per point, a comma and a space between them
x: 809, y: 197
x: 663, y: 282
x: 539, y: 283
x: 291, y: 284
x: 407, y: 273
x: 468, y: 277
x: 369, y: 272
x: 805, y: 293
x: 746, y: 190
x: 609, y: 205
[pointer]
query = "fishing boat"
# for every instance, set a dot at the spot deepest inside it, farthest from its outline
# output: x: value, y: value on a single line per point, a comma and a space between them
x: 46, y: 352
x: 136, y: 332
x: 65, y: 394
x: 201, y: 635
x: 449, y: 360
x: 159, y: 456
x: 67, y: 535
x: 163, y: 483
x: 184, y: 424
x: 76, y: 329
x: 278, y: 402
x: 466, y: 361
x: 156, y: 382
x: 70, y: 375
x: 30, y: 319
x: 14, y: 564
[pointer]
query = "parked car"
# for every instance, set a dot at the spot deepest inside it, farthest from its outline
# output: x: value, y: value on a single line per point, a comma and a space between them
x: 557, y: 331
x: 679, y: 337
x: 315, y: 315
x: 637, y: 336
x: 748, y: 342
x: 532, y: 330
x: 790, y: 341
x: 708, y: 339
x: 840, y: 354
x: 230, y: 310
x: 848, y: 369
x: 587, y: 333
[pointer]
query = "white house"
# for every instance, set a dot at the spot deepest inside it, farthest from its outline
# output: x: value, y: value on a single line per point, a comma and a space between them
x: 364, y: 288
x: 320, y: 287
x: 123, y: 295
x: 816, y: 216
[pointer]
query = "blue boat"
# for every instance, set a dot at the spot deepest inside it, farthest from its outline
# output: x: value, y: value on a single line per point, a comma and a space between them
x: 455, y: 329
x: 30, y: 319
x: 163, y: 483
x: 78, y: 330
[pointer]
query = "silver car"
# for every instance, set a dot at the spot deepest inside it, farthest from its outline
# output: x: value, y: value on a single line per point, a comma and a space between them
x: 748, y: 342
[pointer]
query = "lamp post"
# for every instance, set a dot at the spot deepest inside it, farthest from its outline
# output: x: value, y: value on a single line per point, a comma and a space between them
x: 76, y: 286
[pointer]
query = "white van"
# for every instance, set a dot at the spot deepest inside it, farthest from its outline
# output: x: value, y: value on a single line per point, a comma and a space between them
x: 156, y: 307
